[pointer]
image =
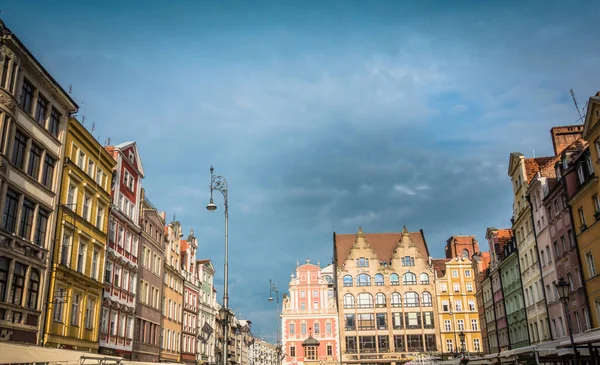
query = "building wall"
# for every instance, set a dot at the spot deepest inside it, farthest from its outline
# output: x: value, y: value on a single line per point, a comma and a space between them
x: 386, y: 254
x: 207, y: 312
x: 521, y: 171
x: 146, y: 345
x: 310, y: 310
x: 77, y: 278
x: 457, y: 306
x: 24, y: 292
x: 585, y: 208
x: 170, y: 349
x: 121, y: 269
x: 190, y: 298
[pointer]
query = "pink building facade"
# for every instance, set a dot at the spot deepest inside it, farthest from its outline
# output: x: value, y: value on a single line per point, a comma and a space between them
x: 309, y: 317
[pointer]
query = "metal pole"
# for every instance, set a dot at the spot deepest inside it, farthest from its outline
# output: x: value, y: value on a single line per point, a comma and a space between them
x: 575, y: 357
x: 226, y: 284
x: 219, y: 183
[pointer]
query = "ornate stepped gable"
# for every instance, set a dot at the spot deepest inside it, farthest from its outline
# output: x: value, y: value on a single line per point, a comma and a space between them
x: 384, y: 247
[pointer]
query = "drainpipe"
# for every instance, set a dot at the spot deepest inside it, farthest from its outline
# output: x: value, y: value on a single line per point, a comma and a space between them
x: 539, y: 262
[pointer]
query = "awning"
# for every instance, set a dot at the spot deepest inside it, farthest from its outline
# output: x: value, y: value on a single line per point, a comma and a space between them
x: 584, y: 338
x: 519, y: 351
x: 19, y: 354
x: 569, y: 352
x: 479, y: 361
x: 124, y: 362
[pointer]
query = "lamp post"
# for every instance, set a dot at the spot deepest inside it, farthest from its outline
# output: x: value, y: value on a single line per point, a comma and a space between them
x: 563, y: 288
x: 219, y: 183
x: 273, y: 289
x: 463, y: 348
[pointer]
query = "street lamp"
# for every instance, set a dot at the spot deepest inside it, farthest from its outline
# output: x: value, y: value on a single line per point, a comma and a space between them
x: 463, y: 348
x: 219, y: 183
x: 273, y: 289
x: 564, y: 287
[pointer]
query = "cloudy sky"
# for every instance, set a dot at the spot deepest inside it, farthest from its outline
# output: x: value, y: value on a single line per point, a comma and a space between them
x: 322, y: 117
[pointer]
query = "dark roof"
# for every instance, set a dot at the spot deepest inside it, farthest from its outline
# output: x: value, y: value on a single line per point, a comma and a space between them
x: 310, y: 341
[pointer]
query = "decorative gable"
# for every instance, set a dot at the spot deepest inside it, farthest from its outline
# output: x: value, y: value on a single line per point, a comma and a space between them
x: 592, y: 117
x: 131, y: 154
x: 514, y: 163
x: 360, y: 248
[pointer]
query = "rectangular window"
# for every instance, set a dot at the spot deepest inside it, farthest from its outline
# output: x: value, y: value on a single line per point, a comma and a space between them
x: 81, y: 160
x: 26, y: 219
x: 59, y: 296
x: 81, y: 257
x: 474, y: 325
x: 48, y: 171
x: 112, y: 230
x: 591, y: 265
x: 9, y: 220
x: 54, y: 123
x: 95, y: 257
x: 89, y: 313
x: 41, y: 227
x: 90, y: 168
x: 85, y: 212
x: 35, y: 159
x: 26, y: 101
x: 41, y: 110
x: 64, y: 250
x: 471, y: 305
x: 5, y: 70
x: 75, y: 310
x: 328, y: 328
x: 100, y: 217
x: 18, y: 153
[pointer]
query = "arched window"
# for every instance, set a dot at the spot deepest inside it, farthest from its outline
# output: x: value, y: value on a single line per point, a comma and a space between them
x: 411, y: 299
x: 328, y: 279
x: 4, y: 264
x: 34, y: 289
x: 18, y: 284
x: 465, y: 254
x: 394, y: 279
x: 427, y: 302
x: 363, y: 280
x: 409, y: 279
x: 424, y: 278
x: 378, y: 279
x: 347, y: 280
x: 365, y: 300
x: 380, y: 300
x: 396, y: 300
x: 348, y: 301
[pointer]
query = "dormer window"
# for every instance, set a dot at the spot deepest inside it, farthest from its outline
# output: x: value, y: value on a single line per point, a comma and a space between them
x: 558, y: 175
x: 580, y: 174
x: 565, y: 163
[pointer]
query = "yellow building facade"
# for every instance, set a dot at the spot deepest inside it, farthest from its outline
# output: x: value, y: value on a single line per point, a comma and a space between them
x: 77, y: 280
x: 457, y: 306
x: 172, y: 305
x: 585, y: 206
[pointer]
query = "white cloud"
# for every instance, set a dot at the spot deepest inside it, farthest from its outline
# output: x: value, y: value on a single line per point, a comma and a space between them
x: 404, y: 189
x: 360, y: 219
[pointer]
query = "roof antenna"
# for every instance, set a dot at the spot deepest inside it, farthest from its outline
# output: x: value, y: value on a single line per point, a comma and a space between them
x: 70, y: 89
x: 576, y: 105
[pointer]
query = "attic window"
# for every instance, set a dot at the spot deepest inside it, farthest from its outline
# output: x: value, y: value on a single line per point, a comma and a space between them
x: 131, y: 156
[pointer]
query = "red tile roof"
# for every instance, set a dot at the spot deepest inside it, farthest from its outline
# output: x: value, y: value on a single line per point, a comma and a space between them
x: 534, y: 165
x: 183, y: 244
x: 439, y: 265
x: 384, y: 244
x: 486, y: 259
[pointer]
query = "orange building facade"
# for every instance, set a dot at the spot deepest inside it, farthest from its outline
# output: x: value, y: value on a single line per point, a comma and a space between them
x: 309, y: 317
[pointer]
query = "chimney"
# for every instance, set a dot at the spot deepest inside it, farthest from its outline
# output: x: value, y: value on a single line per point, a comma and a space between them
x: 563, y: 136
x: 164, y: 216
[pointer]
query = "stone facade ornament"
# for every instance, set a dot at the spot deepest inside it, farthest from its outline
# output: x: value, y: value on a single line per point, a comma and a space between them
x: 7, y: 101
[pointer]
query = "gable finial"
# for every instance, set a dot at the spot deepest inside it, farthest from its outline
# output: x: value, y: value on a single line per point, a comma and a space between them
x: 405, y: 231
x: 360, y: 232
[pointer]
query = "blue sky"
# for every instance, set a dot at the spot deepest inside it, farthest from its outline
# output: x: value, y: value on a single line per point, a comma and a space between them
x: 323, y: 117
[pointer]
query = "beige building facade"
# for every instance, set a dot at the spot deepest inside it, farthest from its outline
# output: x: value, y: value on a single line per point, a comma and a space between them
x: 33, y: 122
x: 172, y: 301
x: 384, y: 286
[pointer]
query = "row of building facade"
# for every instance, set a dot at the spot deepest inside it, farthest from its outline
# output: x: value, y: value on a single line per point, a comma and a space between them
x: 87, y: 262
x: 386, y: 300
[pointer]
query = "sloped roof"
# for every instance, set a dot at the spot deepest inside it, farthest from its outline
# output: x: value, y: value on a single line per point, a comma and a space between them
x: 439, y: 265
x: 384, y: 244
x: 310, y: 341
x: 533, y: 165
